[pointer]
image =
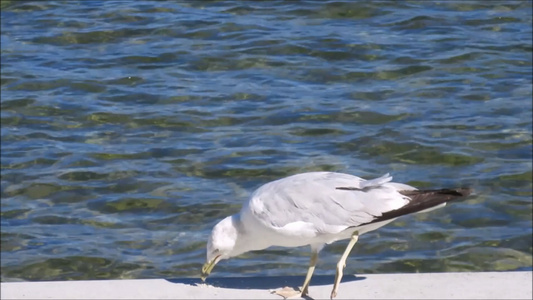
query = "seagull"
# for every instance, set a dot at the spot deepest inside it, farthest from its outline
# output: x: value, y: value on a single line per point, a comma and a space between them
x: 315, y: 209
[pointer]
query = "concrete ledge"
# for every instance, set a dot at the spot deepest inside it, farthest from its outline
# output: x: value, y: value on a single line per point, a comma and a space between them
x: 483, y: 285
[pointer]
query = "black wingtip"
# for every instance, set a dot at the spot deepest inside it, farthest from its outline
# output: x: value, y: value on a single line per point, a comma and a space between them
x: 464, y: 192
x: 443, y: 194
x: 424, y: 199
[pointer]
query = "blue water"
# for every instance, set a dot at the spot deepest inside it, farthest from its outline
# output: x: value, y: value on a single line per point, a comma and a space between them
x: 129, y: 128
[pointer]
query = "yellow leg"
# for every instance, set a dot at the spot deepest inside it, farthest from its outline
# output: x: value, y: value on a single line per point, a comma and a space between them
x: 342, y: 263
x: 312, y: 265
x: 288, y: 292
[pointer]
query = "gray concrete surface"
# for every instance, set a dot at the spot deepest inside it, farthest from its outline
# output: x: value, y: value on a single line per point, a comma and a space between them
x: 485, y: 285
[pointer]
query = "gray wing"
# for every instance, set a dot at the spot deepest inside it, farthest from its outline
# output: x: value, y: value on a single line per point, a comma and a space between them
x: 330, y: 202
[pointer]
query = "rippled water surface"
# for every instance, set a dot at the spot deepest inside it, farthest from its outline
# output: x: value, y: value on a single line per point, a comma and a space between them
x: 129, y: 128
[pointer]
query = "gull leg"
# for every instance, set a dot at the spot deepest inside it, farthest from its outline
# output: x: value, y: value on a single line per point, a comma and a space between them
x: 288, y: 292
x: 342, y: 264
x: 312, y: 265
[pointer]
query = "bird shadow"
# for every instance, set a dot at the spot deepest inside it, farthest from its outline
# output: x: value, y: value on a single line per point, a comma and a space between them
x: 269, y: 282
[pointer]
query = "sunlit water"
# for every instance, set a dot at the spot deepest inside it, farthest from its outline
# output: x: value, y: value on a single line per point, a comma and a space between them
x: 129, y: 128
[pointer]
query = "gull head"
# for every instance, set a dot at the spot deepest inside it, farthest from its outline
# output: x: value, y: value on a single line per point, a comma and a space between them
x: 221, y: 244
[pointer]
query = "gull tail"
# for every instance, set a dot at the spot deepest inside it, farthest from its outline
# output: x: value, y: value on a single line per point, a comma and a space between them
x: 423, y: 201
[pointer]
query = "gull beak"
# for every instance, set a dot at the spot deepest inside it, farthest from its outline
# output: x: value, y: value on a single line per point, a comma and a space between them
x: 208, y: 267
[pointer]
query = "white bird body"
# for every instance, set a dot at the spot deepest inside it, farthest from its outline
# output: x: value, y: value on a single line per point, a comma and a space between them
x: 315, y: 209
x: 309, y: 210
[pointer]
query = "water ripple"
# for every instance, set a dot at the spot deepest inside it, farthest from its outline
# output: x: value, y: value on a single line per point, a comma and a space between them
x: 130, y: 128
